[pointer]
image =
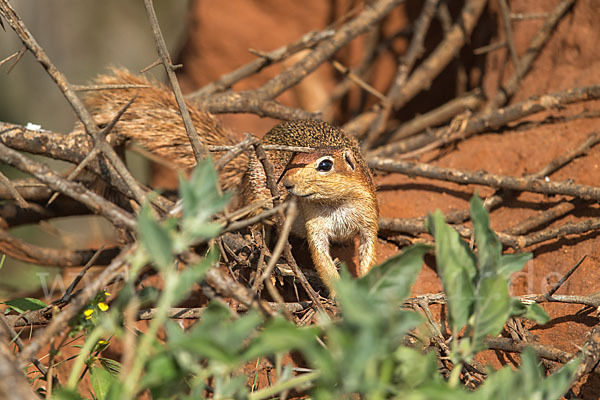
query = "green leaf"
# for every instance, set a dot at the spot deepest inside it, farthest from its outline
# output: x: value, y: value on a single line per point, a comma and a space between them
x: 101, y: 381
x: 393, y: 279
x: 193, y: 274
x: 66, y: 394
x: 201, y: 199
x: 528, y: 382
x: 155, y: 239
x: 489, y: 248
x: 24, y: 304
x: 280, y: 335
x: 456, y: 267
x: 160, y: 369
x: 427, y: 370
x: 492, y: 309
x: 217, y: 336
x: 510, y: 263
x: 112, y: 366
x: 536, y: 313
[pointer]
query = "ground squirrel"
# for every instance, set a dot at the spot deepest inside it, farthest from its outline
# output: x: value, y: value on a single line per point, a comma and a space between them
x: 333, y: 184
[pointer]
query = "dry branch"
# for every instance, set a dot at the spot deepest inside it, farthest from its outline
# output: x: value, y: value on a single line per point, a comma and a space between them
x: 21, y: 250
x: 590, y: 352
x: 490, y: 121
x: 514, y: 346
x: 453, y: 41
x: 74, y: 190
x: 535, y: 46
x: 308, y: 40
x: 60, y: 321
x: 72, y: 148
x: 61, y: 81
x: 257, y: 100
x: 13, y: 384
x: 161, y: 47
x: 483, y: 178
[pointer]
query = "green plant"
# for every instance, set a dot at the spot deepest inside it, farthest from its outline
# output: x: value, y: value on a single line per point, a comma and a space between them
x: 365, y: 351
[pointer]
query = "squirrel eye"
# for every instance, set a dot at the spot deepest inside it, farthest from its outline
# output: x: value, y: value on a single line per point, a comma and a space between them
x: 325, y: 165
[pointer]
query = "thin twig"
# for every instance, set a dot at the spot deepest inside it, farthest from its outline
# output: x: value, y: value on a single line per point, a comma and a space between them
x: 89, y: 88
x: 535, y: 46
x: 13, y: 191
x: 489, y: 121
x: 82, y: 113
x: 255, y: 100
x: 292, y: 212
x: 62, y: 258
x: 60, y: 321
x: 513, y: 346
x: 483, y: 178
x: 308, y: 40
x: 161, y: 47
x: 94, y: 202
x: 508, y: 33
x: 562, y: 280
x: 545, y: 217
x: 14, y: 336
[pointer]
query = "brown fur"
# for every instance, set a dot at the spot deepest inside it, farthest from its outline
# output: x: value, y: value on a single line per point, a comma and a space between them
x: 342, y: 202
x: 154, y: 121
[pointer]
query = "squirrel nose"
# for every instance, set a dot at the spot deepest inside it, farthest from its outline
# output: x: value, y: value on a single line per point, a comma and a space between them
x: 289, y: 186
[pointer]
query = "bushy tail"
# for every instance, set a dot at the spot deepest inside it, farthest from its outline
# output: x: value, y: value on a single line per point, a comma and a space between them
x: 153, y: 120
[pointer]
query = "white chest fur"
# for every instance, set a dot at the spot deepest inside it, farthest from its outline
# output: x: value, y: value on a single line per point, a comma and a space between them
x: 337, y: 223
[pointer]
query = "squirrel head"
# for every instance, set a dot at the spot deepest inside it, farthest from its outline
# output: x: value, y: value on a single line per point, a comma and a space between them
x: 329, y: 174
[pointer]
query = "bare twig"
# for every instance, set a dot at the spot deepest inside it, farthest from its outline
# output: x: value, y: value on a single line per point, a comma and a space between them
x: 236, y: 150
x: 308, y: 40
x: 67, y: 296
x: 490, y: 121
x: 415, y: 49
x: 236, y: 226
x: 21, y: 250
x: 75, y: 190
x: 564, y: 278
x: 256, y: 100
x: 544, y: 217
x: 14, y: 336
x: 60, y: 321
x: 269, y: 173
x: 416, y: 226
x: 508, y: 33
x: 453, y: 41
x: 89, y: 88
x: 13, y: 384
x: 535, y: 46
x: 484, y: 178
x: 71, y: 148
x: 514, y: 346
x: 13, y: 191
x: 590, y: 352
x: 359, y: 81
x: 161, y: 47
x: 489, y: 48
x: 470, y: 101
x: 90, y: 126
x: 292, y: 212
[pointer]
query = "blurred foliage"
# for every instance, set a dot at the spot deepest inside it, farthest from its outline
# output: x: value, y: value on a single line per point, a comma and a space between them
x: 364, y: 352
x: 62, y: 27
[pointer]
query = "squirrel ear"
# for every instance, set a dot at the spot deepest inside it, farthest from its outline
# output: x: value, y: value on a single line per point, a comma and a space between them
x: 349, y: 158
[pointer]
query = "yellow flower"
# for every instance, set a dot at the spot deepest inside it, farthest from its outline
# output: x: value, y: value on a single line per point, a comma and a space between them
x: 102, y: 341
x: 88, y: 313
x: 102, y: 306
x: 106, y: 294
